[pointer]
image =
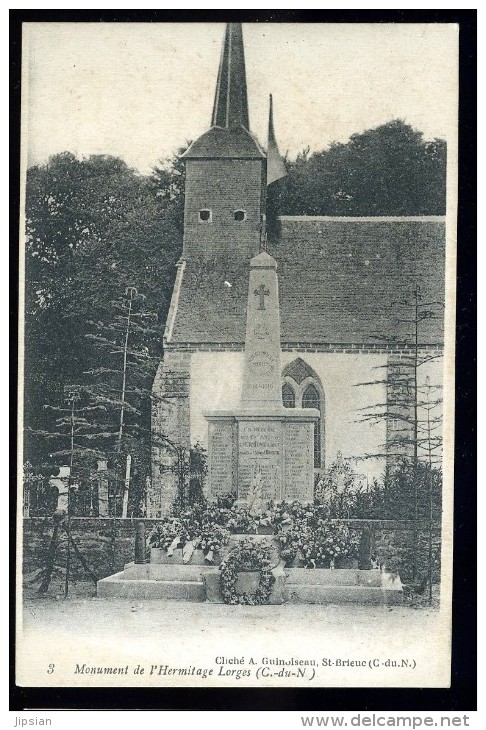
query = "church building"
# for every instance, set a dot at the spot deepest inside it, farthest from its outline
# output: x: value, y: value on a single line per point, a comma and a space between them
x: 350, y: 289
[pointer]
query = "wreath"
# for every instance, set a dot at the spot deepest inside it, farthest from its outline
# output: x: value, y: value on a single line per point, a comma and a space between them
x: 247, y: 557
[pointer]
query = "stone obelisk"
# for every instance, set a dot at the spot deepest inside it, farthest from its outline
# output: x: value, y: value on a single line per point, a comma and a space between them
x: 262, y: 388
x: 262, y: 450
x: 260, y: 435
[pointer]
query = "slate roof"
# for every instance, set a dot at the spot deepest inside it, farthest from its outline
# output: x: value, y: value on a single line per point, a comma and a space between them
x: 236, y: 143
x: 229, y: 135
x: 340, y: 282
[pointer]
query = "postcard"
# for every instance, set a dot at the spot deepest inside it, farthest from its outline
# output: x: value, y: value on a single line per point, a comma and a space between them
x: 238, y: 276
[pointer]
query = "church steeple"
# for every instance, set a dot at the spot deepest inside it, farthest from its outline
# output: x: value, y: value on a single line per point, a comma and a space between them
x: 229, y: 135
x: 231, y: 99
x: 225, y: 169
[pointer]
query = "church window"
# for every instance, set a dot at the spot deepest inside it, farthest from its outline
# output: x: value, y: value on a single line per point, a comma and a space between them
x: 240, y: 215
x: 311, y: 399
x: 205, y: 216
x: 302, y: 388
x: 288, y: 396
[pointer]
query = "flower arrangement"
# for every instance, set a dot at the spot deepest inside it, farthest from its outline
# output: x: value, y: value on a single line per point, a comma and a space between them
x: 212, y: 539
x: 290, y: 541
x: 188, y: 532
x: 331, y: 541
x: 164, y: 533
x: 241, y: 521
x: 247, y: 556
x: 320, y: 542
x: 299, y: 528
x: 215, y: 514
x: 286, y: 513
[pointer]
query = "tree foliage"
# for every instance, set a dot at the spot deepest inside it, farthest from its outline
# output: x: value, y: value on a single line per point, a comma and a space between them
x: 412, y: 407
x: 93, y: 228
x: 389, y: 170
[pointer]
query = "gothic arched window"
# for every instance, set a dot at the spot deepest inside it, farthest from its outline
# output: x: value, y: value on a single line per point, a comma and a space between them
x: 288, y: 396
x: 311, y: 399
x: 302, y: 388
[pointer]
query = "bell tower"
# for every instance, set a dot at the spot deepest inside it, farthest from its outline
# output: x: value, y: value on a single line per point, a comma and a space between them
x: 225, y: 169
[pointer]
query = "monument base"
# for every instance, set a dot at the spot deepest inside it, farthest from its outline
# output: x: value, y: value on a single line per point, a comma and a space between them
x: 262, y: 454
x: 247, y: 582
x: 198, y: 583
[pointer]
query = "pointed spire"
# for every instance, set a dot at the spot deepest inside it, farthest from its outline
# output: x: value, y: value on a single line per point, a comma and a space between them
x: 229, y: 136
x: 231, y: 101
x: 275, y: 164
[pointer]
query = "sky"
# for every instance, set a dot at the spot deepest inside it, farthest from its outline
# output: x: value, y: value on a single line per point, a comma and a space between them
x: 141, y: 90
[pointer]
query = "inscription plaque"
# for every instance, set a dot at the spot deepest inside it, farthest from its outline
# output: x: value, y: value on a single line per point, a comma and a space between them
x: 221, y: 458
x: 260, y: 458
x: 299, y: 473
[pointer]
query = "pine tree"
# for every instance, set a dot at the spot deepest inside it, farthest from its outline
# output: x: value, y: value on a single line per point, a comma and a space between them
x: 121, y: 383
x: 408, y: 408
x: 406, y: 411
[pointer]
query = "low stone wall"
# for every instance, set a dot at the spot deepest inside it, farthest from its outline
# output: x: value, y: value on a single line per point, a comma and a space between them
x: 106, y: 545
x: 392, y: 546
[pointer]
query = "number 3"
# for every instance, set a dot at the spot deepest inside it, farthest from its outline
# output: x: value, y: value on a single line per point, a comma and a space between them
x: 51, y: 669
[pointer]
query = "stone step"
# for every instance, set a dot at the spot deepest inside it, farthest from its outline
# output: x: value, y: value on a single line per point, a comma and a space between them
x: 182, y: 590
x: 320, y: 576
x: 338, y: 577
x: 154, y: 571
x: 298, y: 593
x: 294, y: 585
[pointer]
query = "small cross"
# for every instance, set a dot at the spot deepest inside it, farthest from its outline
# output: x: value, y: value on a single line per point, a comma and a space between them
x: 262, y: 293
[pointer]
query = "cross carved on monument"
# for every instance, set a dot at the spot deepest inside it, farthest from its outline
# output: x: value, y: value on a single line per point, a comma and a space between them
x: 262, y: 293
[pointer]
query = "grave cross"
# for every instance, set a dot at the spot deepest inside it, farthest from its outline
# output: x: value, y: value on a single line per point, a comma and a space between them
x: 262, y: 293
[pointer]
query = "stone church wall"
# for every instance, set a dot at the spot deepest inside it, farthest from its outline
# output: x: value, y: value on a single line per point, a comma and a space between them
x: 170, y: 430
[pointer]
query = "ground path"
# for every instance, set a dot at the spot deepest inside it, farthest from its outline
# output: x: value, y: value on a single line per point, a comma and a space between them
x: 118, y: 632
